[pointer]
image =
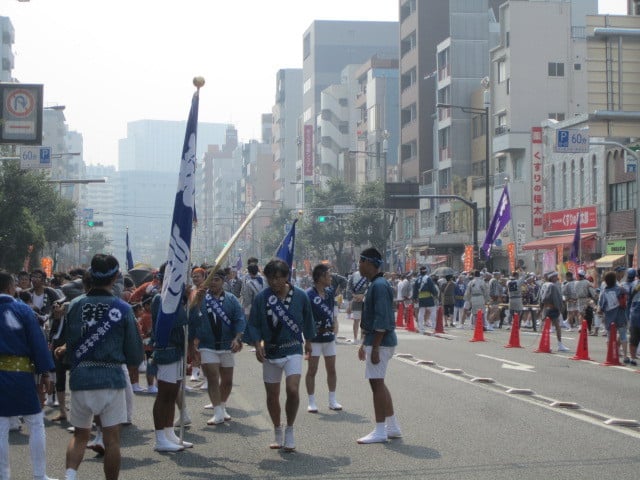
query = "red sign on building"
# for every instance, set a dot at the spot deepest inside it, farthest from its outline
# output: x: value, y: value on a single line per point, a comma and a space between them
x: 308, y: 150
x: 566, y: 220
x: 537, y: 200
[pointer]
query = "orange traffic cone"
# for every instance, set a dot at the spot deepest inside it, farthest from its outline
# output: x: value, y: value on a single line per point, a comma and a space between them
x: 613, y: 357
x: 545, y: 338
x: 411, y: 326
x: 478, y: 333
x: 400, y: 316
x: 514, y: 339
x: 582, y: 352
x: 439, y: 320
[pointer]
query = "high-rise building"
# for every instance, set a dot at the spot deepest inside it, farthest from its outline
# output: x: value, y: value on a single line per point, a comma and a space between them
x: 327, y: 47
x: 286, y: 113
x: 7, y: 37
x: 148, y: 165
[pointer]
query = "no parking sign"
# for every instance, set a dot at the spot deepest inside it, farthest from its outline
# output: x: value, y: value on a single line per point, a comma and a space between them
x: 21, y: 113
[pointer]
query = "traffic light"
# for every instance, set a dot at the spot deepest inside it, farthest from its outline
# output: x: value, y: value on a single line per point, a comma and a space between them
x: 91, y: 223
x: 325, y: 218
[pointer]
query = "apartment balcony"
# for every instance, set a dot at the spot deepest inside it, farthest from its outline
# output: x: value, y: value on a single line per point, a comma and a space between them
x: 501, y: 130
x: 444, y: 73
x: 444, y: 113
x: 445, y: 154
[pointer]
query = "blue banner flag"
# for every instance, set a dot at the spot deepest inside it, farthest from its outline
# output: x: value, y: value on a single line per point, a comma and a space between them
x: 285, y: 250
x: 177, y: 269
x: 500, y: 219
x: 574, y: 255
x: 129, y: 255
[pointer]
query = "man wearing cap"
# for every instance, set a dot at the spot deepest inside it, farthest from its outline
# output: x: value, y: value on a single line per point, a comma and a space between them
x: 425, y: 293
x: 101, y: 335
x: 378, y: 345
x: 551, y: 303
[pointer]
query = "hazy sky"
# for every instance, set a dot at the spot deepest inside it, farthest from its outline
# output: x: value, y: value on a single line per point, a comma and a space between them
x: 117, y: 61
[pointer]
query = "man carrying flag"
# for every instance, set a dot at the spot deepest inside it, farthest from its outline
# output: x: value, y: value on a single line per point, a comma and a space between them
x: 500, y: 219
x: 173, y: 287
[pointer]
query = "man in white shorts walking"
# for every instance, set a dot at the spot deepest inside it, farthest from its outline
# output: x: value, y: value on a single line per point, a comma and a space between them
x: 281, y: 322
x: 378, y: 345
x: 324, y: 343
x: 218, y: 323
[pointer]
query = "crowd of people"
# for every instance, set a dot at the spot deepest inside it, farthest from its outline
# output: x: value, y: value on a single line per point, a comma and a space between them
x: 95, y: 332
x: 532, y: 297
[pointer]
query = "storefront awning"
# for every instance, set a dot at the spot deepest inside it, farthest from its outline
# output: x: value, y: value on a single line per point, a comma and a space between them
x: 610, y: 261
x: 550, y: 243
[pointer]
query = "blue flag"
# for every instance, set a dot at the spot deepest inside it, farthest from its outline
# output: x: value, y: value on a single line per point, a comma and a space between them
x: 500, y: 219
x: 574, y: 255
x: 177, y: 269
x: 285, y: 250
x: 129, y: 255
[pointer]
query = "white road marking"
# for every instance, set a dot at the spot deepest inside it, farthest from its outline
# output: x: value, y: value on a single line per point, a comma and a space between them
x: 511, y: 364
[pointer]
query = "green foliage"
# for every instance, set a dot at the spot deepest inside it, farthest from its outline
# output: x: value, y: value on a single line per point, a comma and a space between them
x: 31, y: 213
x: 367, y: 225
x: 95, y: 242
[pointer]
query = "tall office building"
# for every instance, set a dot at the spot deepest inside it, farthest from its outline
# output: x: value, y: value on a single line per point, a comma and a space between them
x: 149, y: 162
x: 327, y: 47
x: 286, y: 112
x: 7, y: 38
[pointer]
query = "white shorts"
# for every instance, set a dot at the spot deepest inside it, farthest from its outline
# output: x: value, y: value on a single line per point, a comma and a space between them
x: 378, y: 370
x: 108, y: 403
x: 356, y: 314
x: 327, y: 349
x: 272, y: 368
x: 223, y: 357
x: 170, y: 372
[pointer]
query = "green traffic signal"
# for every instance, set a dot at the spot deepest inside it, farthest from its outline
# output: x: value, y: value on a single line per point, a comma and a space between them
x: 322, y: 219
x: 90, y: 223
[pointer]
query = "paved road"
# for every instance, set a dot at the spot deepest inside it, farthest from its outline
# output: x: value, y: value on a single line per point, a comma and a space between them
x: 454, y: 427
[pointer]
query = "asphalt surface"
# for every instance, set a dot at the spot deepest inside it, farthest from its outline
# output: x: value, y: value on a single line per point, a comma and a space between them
x: 451, y: 397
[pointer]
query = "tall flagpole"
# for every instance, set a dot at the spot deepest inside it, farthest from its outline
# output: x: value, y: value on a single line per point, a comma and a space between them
x: 198, y: 82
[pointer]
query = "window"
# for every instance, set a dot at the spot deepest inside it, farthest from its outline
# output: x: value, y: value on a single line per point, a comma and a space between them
x: 557, y: 116
x: 577, y: 66
x: 556, y: 69
x: 517, y: 163
x: 478, y: 125
x: 306, y: 46
x: 594, y: 182
x: 502, y: 71
x: 502, y: 164
x: 426, y: 219
x: 506, y: 39
x: 622, y: 196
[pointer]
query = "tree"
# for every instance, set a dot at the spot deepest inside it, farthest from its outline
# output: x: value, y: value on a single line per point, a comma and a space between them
x: 367, y: 226
x: 95, y: 242
x: 332, y: 234
x: 31, y: 214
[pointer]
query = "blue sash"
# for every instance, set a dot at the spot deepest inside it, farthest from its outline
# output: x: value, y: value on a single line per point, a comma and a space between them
x: 280, y: 311
x: 320, y: 306
x: 98, y: 330
x: 361, y: 282
x: 215, y: 306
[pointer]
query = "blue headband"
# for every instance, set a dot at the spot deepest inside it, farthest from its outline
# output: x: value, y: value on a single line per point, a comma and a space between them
x: 107, y: 274
x: 376, y: 261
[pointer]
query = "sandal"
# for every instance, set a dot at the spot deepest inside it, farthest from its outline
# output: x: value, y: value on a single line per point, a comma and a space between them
x: 59, y: 418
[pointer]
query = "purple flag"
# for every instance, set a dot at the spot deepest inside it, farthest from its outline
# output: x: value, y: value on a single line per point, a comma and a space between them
x: 574, y: 255
x: 498, y: 222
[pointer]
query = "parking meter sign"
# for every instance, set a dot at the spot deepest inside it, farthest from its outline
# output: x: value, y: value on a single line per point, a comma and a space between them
x: 572, y: 141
